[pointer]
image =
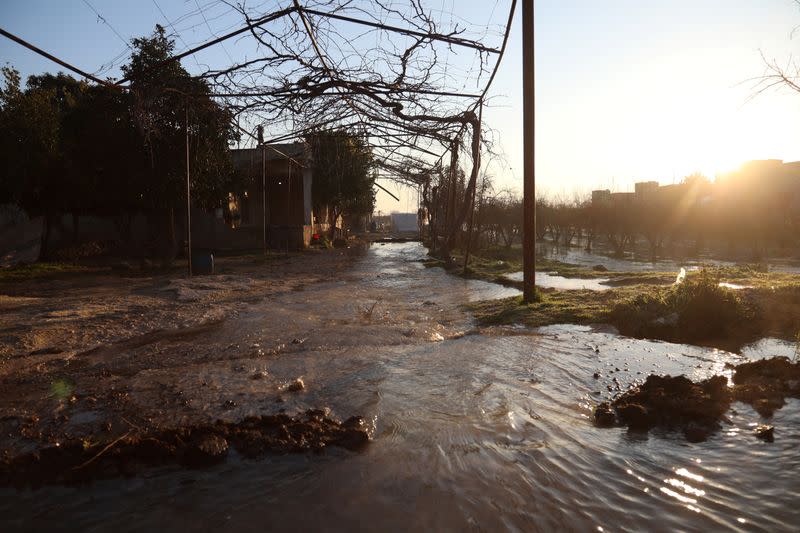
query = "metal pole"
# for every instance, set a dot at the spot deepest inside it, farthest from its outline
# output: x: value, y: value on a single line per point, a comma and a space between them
x: 529, y: 147
x: 188, y: 199
x: 288, y: 201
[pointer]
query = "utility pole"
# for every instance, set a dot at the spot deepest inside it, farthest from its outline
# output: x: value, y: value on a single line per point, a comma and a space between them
x: 529, y: 158
x: 263, y: 188
x: 188, y: 198
x: 288, y: 201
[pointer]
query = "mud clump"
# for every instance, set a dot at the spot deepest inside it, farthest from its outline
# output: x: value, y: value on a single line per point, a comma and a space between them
x: 296, y: 385
x: 697, y: 408
x: 78, y: 461
x: 673, y: 402
x: 604, y: 416
x: 765, y: 433
x: 766, y: 383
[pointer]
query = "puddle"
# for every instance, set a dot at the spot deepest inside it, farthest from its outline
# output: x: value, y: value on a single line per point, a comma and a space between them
x: 544, y: 279
x: 734, y: 286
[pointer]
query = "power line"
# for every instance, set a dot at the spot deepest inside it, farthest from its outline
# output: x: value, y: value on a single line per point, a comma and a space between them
x: 53, y: 58
x: 263, y: 20
x: 104, y: 21
x: 178, y: 35
x: 202, y: 14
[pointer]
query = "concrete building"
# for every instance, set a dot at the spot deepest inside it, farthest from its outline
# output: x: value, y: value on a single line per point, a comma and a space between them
x: 601, y: 198
x: 285, y: 205
x: 645, y: 191
x: 622, y: 199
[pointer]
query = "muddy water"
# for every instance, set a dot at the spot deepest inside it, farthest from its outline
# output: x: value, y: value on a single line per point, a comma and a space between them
x: 472, y: 431
x: 543, y: 279
x: 578, y: 256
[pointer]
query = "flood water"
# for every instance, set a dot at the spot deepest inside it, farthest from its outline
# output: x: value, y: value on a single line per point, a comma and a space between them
x: 577, y: 255
x: 472, y: 432
x: 543, y: 279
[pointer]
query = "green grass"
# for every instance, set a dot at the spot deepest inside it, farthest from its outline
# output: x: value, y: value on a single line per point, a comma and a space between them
x: 553, y: 307
x: 697, y: 310
x: 43, y: 270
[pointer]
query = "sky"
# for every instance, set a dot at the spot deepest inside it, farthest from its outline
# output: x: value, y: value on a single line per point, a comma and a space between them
x: 626, y: 90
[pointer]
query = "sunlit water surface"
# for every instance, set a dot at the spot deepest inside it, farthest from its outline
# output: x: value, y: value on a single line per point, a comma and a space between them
x: 477, y: 432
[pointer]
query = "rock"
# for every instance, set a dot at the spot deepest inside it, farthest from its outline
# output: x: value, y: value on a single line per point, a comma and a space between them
x: 298, y: 341
x: 603, y: 416
x: 596, y: 375
x: 318, y: 414
x: 260, y: 374
x: 635, y: 416
x: 229, y: 404
x: 296, y: 385
x: 600, y: 268
x: 696, y: 432
x: 354, y: 435
x: 765, y: 433
x: 206, y: 450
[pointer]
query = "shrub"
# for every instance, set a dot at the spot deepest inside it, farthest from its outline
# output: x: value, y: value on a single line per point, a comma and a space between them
x: 696, y: 309
x: 705, y: 310
x: 637, y: 316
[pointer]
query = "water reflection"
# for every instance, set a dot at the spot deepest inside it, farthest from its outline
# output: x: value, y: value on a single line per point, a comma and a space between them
x: 544, y: 279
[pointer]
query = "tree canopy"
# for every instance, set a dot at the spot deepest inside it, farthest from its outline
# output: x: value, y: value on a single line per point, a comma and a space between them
x: 67, y: 146
x: 343, y: 174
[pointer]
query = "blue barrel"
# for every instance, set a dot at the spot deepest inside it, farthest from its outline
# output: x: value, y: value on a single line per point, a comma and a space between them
x: 202, y: 262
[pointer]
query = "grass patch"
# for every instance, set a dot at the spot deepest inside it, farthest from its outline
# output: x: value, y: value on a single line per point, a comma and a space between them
x: 43, y: 270
x: 553, y: 307
x: 698, y: 311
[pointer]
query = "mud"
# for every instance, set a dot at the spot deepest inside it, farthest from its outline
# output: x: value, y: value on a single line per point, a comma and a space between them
x: 86, y: 360
x: 84, y: 460
x: 699, y: 408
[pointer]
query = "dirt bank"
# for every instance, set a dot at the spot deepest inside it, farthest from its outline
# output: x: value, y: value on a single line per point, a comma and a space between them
x: 101, y: 456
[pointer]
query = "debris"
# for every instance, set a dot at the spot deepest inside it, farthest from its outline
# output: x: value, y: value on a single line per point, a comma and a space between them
x: 603, y: 415
x: 296, y: 385
x: 765, y: 432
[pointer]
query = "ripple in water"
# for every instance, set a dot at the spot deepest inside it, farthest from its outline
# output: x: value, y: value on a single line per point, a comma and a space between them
x: 473, y: 433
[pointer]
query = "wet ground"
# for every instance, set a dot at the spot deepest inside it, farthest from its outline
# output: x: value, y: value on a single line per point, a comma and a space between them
x: 472, y: 430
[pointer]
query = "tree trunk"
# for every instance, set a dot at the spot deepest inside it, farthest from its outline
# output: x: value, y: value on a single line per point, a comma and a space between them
x: 75, y: 227
x: 47, y: 223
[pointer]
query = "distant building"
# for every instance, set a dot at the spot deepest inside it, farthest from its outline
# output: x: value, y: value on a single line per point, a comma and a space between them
x: 646, y: 191
x: 622, y: 199
x: 769, y: 184
x: 404, y: 222
x: 601, y: 198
